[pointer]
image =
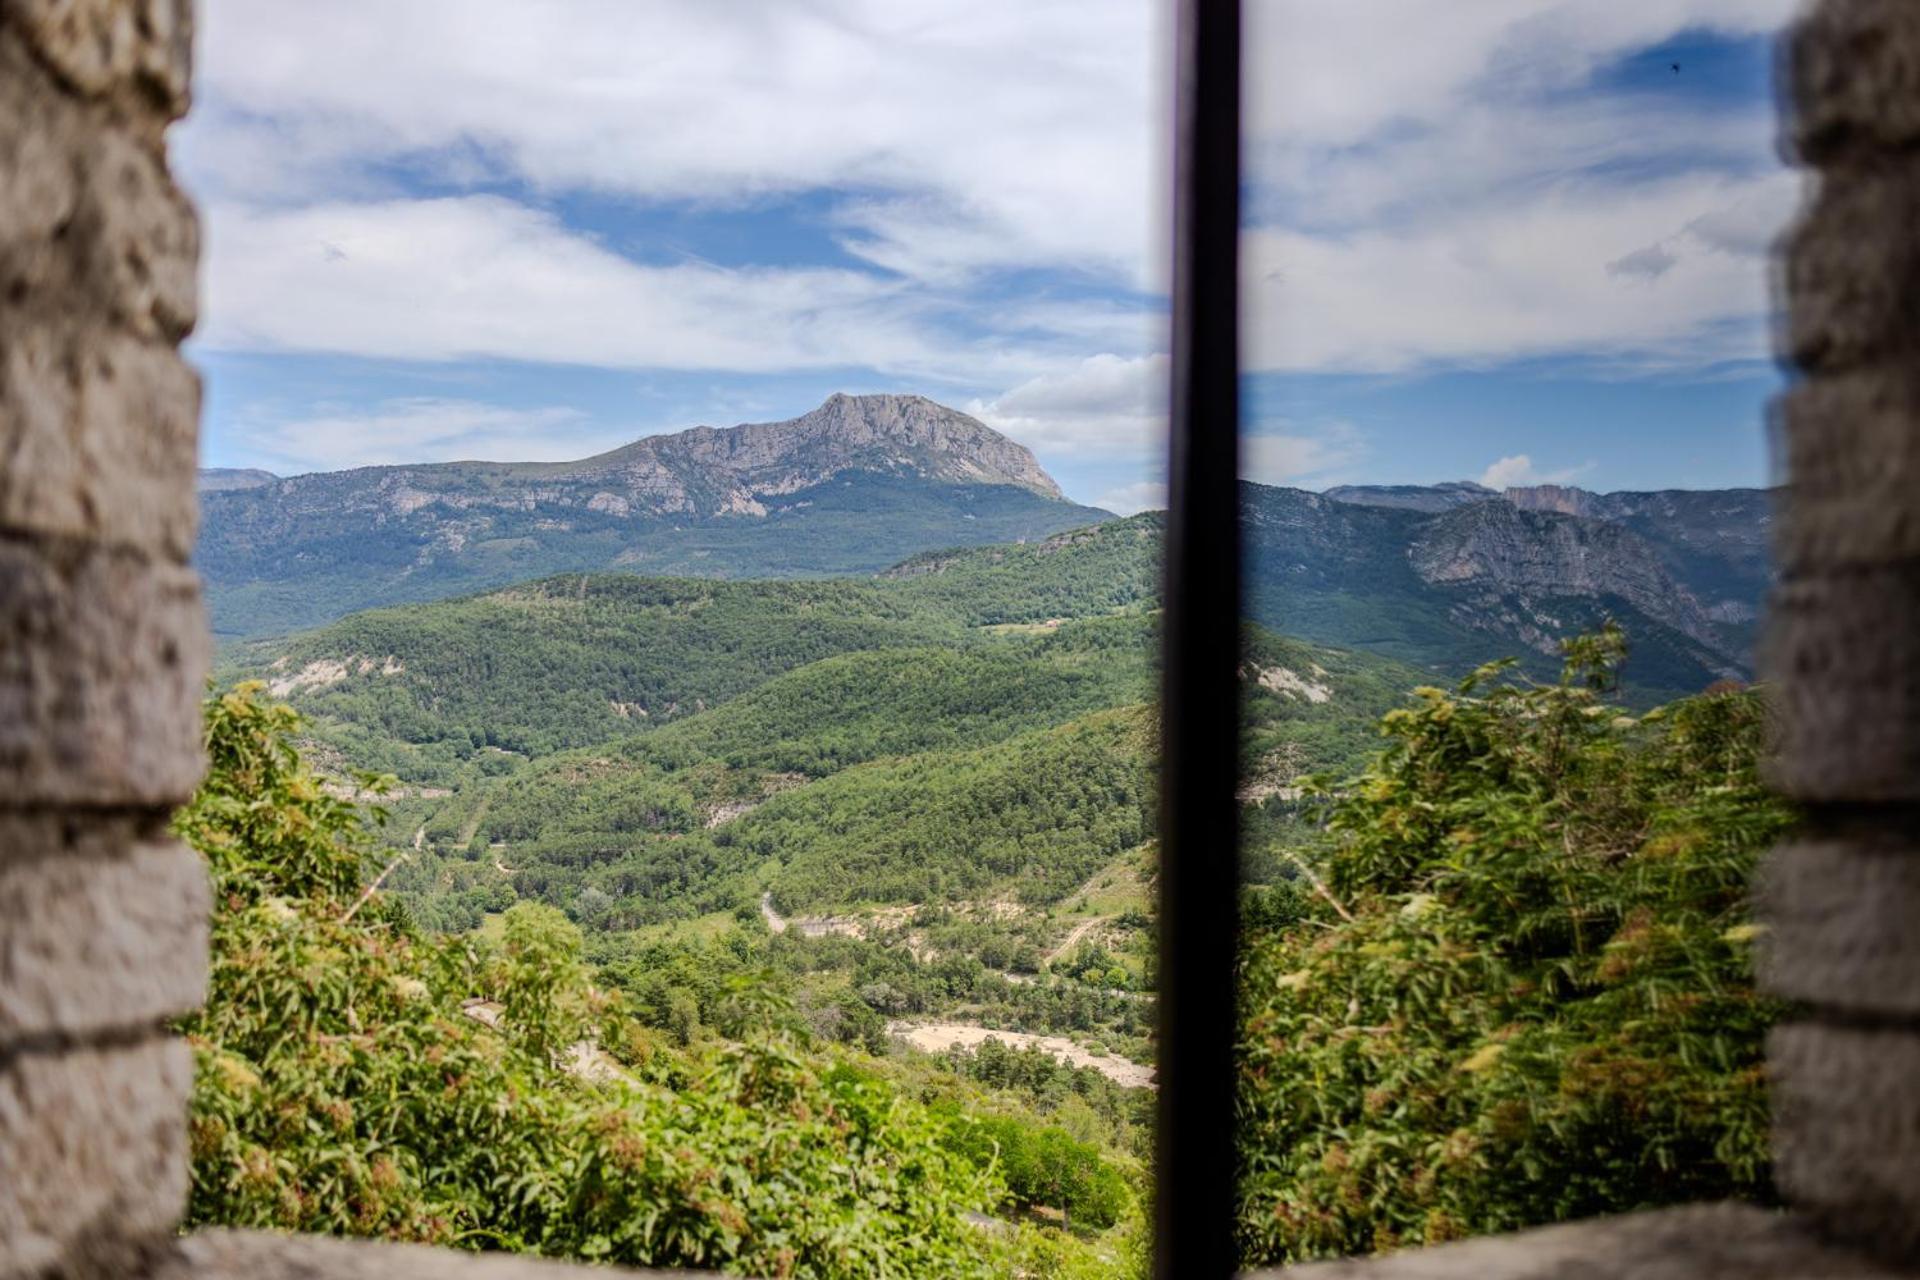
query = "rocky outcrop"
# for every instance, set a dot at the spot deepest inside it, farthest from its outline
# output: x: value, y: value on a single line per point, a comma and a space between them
x: 880, y: 432
x: 1540, y: 553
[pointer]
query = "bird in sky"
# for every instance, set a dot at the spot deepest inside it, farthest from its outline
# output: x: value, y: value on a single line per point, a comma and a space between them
x: 1676, y: 68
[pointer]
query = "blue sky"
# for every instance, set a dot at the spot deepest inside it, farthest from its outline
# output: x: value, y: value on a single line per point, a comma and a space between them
x: 1490, y: 239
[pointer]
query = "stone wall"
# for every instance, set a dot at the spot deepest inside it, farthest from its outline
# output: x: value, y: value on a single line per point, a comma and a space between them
x: 102, y: 644
x: 1844, y: 899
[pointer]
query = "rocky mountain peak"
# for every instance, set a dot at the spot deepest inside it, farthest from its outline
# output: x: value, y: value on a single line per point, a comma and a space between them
x: 1541, y: 553
x: 878, y: 432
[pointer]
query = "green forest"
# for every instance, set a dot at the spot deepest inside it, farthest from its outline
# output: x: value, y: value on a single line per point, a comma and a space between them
x: 805, y: 928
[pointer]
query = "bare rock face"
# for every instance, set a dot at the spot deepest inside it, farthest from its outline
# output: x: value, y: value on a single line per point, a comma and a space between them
x: 882, y: 432
x: 1537, y: 553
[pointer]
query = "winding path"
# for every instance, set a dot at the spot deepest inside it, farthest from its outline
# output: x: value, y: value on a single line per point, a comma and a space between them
x: 1074, y: 935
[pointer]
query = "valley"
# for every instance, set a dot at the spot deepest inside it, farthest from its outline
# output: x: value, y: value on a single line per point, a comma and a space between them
x: 897, y: 788
x: 902, y: 804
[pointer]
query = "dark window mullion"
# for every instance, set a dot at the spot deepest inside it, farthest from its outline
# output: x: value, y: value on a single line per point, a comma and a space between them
x: 1199, y: 855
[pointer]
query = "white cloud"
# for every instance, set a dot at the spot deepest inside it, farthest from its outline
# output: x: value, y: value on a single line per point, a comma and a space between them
x: 1131, y: 499
x: 983, y: 134
x: 1291, y: 459
x: 418, y: 429
x: 1493, y: 284
x: 1442, y: 185
x: 1518, y: 471
x: 1103, y: 405
x: 479, y: 276
x: 1432, y: 185
x: 1338, y: 75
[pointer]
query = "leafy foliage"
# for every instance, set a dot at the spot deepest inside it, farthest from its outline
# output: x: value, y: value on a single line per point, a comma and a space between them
x: 1521, y: 990
x: 342, y: 1087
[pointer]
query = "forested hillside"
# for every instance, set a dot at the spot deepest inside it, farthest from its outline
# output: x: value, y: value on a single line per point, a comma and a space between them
x: 929, y: 795
x: 909, y: 812
x: 355, y: 1076
x: 1500, y: 979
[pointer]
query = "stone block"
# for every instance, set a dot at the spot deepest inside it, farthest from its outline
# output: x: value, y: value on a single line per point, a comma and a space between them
x: 1853, y: 73
x: 1698, y: 1242
x: 138, y: 236
x: 1843, y: 924
x: 101, y: 433
x: 1846, y: 1131
x: 1852, y: 270
x: 37, y: 131
x: 94, y: 1148
x: 140, y: 49
x: 1843, y: 651
x: 1851, y: 436
x: 103, y: 657
x: 106, y: 926
x: 96, y: 226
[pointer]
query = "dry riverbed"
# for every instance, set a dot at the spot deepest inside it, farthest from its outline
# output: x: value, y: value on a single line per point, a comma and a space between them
x: 938, y: 1037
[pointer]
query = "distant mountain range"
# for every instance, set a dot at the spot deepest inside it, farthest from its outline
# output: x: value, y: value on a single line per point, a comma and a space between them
x: 849, y: 488
x: 1440, y: 576
x: 1448, y: 575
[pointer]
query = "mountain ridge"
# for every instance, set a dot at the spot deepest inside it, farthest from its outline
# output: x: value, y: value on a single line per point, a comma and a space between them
x: 847, y: 488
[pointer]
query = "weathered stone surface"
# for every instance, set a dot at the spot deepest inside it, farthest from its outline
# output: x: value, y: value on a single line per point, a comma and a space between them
x: 96, y: 224
x: 93, y: 1145
x: 1844, y: 652
x: 1853, y: 69
x: 258, y: 1255
x: 1700, y: 1242
x: 104, y: 929
x: 102, y: 659
x: 137, y: 236
x: 1846, y: 1131
x: 1843, y: 925
x: 1851, y: 443
x: 100, y: 433
x: 1852, y: 265
x: 36, y: 135
x: 142, y: 48
x: 40, y: 131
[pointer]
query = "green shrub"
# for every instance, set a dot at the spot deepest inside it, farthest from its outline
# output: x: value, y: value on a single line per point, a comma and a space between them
x: 1521, y: 990
x: 341, y: 1088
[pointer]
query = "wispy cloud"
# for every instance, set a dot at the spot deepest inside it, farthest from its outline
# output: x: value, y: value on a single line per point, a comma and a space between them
x: 1431, y: 187
x: 1131, y: 499
x: 1110, y: 404
x: 1293, y: 459
x: 1539, y: 278
x: 393, y: 432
